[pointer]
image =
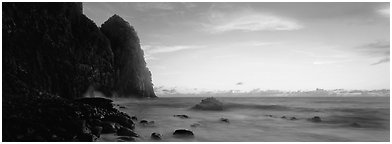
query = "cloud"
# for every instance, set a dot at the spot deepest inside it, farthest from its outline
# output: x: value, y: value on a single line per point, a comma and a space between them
x: 170, y: 91
x: 378, y: 49
x: 330, y: 62
x: 153, y: 49
x: 375, y: 49
x: 250, y: 21
x: 384, y: 12
x: 385, y: 60
x: 153, y: 6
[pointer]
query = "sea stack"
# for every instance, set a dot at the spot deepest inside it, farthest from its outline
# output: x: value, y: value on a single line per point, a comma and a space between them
x: 132, y: 77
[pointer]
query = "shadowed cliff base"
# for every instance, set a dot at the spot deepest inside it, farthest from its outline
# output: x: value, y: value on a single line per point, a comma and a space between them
x: 52, y: 55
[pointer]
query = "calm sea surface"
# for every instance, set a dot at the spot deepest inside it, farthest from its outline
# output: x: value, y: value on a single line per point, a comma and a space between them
x: 259, y: 119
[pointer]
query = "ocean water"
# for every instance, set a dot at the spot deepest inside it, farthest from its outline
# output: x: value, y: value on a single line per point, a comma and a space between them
x: 259, y: 119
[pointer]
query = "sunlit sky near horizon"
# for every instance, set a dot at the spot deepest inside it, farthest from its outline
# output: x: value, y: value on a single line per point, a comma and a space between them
x: 195, y: 47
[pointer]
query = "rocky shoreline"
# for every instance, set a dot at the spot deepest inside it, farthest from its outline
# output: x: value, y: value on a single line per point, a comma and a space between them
x: 52, y: 118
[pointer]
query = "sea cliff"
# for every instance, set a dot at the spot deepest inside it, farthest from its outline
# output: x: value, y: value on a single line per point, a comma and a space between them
x: 52, y: 55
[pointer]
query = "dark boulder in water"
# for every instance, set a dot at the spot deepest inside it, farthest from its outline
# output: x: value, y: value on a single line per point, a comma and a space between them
x: 181, y: 116
x: 125, y: 138
x: 126, y: 132
x: 315, y: 119
x: 195, y: 125
x: 156, y: 136
x: 134, y: 118
x: 143, y: 122
x: 283, y: 117
x: 224, y: 120
x: 147, y: 123
x: 209, y: 104
x: 183, y: 133
x: 87, y: 137
x: 293, y: 118
x: 357, y: 125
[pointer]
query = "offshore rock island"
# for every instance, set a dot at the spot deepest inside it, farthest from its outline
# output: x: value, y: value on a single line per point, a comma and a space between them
x: 52, y: 55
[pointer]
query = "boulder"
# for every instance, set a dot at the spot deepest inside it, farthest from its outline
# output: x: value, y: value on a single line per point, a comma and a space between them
x: 134, y: 118
x: 108, y: 127
x: 126, y: 132
x: 209, y: 104
x: 195, y: 125
x: 315, y: 119
x: 181, y: 116
x: 183, y: 133
x: 97, y: 130
x: 87, y: 137
x: 143, y: 122
x: 121, y: 119
x: 156, y: 136
x: 224, y: 120
x: 293, y: 118
x: 283, y: 117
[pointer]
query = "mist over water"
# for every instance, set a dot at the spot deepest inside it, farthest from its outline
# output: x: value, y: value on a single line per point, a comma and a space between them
x: 259, y: 119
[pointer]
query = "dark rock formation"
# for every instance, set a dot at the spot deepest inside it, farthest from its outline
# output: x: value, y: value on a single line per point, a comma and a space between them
x: 224, y: 120
x: 54, y: 48
x: 156, y: 136
x: 315, y: 119
x: 108, y: 127
x: 181, y: 116
x: 195, y: 125
x: 96, y: 130
x: 134, y: 118
x: 87, y: 137
x: 209, y: 104
x: 143, y: 122
x: 132, y: 77
x: 183, y: 133
x: 52, y: 55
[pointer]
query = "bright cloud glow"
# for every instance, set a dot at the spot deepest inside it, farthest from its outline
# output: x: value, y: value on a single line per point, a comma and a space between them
x: 253, y: 22
x: 384, y: 12
x: 150, y: 49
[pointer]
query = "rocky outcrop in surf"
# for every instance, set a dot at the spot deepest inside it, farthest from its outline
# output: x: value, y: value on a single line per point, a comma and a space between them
x: 209, y: 104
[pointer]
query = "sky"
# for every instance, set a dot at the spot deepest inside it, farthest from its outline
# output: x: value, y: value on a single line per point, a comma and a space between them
x: 198, y: 47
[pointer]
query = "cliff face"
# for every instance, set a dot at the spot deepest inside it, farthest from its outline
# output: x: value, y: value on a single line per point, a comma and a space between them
x: 132, y: 77
x: 53, y: 48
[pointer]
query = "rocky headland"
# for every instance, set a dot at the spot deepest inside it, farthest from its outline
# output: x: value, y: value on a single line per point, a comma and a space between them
x: 52, y: 56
